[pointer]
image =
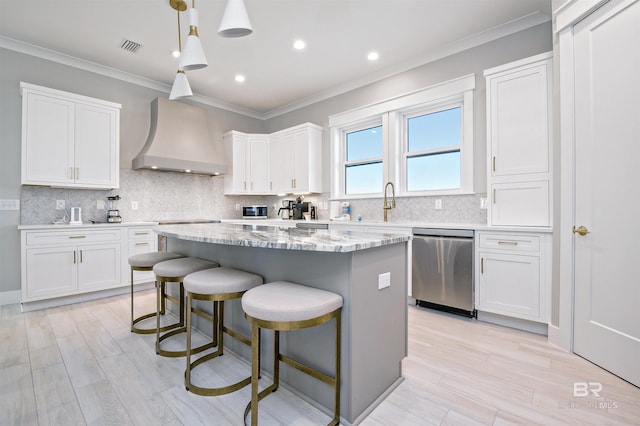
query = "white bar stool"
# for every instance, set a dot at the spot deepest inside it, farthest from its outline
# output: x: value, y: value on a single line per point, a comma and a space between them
x: 174, y: 271
x: 286, y: 306
x: 216, y: 285
x: 146, y: 262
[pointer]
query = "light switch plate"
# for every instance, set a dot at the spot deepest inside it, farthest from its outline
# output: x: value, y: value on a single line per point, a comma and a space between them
x: 438, y: 204
x: 384, y: 280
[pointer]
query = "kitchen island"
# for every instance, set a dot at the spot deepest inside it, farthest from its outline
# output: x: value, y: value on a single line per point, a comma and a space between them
x: 352, y: 264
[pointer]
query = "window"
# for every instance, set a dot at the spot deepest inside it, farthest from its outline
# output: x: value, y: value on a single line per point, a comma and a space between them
x: 433, y: 141
x: 363, y: 165
x: 422, y: 142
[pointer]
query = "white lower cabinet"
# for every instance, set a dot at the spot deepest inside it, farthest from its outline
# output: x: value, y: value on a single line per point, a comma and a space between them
x: 62, y: 262
x: 513, y: 274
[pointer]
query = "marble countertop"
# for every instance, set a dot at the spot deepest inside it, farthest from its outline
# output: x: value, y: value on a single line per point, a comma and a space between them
x: 280, y: 237
x: 401, y: 225
x: 85, y: 225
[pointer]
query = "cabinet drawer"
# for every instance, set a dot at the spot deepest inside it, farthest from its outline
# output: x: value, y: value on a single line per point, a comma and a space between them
x: 141, y: 234
x: 510, y: 242
x: 79, y: 236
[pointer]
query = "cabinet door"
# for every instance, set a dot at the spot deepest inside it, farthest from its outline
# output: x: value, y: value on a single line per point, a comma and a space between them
x: 509, y: 285
x: 519, y: 121
x: 259, y: 165
x: 300, y: 147
x: 277, y: 175
x: 521, y: 203
x: 98, y: 266
x: 50, y: 272
x: 289, y: 161
x: 96, y: 146
x: 240, y: 161
x: 47, y: 140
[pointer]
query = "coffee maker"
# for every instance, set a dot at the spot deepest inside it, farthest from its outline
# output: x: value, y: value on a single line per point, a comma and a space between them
x: 299, y: 209
x: 113, y: 214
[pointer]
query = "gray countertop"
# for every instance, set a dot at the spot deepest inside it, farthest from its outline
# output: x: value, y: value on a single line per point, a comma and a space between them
x: 280, y: 237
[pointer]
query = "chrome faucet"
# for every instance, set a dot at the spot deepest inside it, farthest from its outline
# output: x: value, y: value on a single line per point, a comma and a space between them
x: 387, y: 205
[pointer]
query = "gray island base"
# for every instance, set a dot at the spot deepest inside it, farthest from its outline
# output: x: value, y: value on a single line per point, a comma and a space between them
x: 374, y: 321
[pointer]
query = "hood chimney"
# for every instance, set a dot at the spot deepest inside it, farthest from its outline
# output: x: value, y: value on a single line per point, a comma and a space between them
x: 179, y: 141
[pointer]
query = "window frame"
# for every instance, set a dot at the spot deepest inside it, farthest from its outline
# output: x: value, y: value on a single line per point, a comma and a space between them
x: 363, y: 125
x: 391, y: 113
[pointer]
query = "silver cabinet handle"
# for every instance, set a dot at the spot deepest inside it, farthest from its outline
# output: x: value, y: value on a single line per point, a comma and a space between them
x: 77, y: 236
x: 508, y: 243
x: 142, y: 244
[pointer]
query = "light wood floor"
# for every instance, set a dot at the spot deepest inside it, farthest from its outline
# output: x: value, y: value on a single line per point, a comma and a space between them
x: 79, y: 364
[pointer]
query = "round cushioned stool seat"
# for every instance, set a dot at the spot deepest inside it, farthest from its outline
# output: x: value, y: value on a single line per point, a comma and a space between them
x: 149, y: 260
x: 282, y: 301
x: 182, y: 267
x: 220, y: 281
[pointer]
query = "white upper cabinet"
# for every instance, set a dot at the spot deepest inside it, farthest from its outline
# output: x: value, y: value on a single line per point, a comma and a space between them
x: 250, y: 173
x: 300, y: 167
x: 288, y: 161
x: 69, y: 140
x: 519, y: 141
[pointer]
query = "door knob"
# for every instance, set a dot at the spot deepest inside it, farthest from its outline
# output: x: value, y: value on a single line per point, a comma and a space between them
x: 581, y: 230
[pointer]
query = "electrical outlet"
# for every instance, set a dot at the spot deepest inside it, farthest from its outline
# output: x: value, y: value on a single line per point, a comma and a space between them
x: 134, y: 205
x: 100, y: 204
x: 59, y: 204
x: 483, y: 203
x: 438, y: 204
x: 384, y: 280
x: 237, y: 207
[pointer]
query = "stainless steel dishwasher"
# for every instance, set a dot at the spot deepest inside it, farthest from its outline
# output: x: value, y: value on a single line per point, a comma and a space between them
x: 442, y: 270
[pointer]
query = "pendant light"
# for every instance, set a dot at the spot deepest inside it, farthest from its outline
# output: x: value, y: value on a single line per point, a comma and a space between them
x: 193, y: 56
x: 181, y: 86
x: 235, y: 21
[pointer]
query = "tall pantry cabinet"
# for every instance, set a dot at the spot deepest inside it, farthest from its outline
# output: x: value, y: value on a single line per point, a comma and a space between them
x: 513, y: 261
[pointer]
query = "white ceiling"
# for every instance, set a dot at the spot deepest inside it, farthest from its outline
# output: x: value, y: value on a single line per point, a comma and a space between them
x: 338, y: 33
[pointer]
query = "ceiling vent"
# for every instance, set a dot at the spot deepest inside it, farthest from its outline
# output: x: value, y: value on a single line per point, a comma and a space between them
x: 130, y: 46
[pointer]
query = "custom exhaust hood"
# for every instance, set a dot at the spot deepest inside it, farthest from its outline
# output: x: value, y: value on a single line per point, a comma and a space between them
x: 179, y: 141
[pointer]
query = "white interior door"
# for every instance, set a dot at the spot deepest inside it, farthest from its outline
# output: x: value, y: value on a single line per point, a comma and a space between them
x: 607, y: 203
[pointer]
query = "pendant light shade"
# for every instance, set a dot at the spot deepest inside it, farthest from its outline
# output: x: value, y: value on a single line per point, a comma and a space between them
x: 235, y: 21
x: 192, y: 56
x: 181, y: 87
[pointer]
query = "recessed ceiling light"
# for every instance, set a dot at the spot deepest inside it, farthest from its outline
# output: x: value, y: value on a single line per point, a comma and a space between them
x: 240, y: 78
x: 299, y: 44
x: 373, y: 56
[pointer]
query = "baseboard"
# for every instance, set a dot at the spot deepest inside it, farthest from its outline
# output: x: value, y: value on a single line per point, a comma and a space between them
x: 77, y: 298
x: 10, y: 297
x: 520, y: 324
